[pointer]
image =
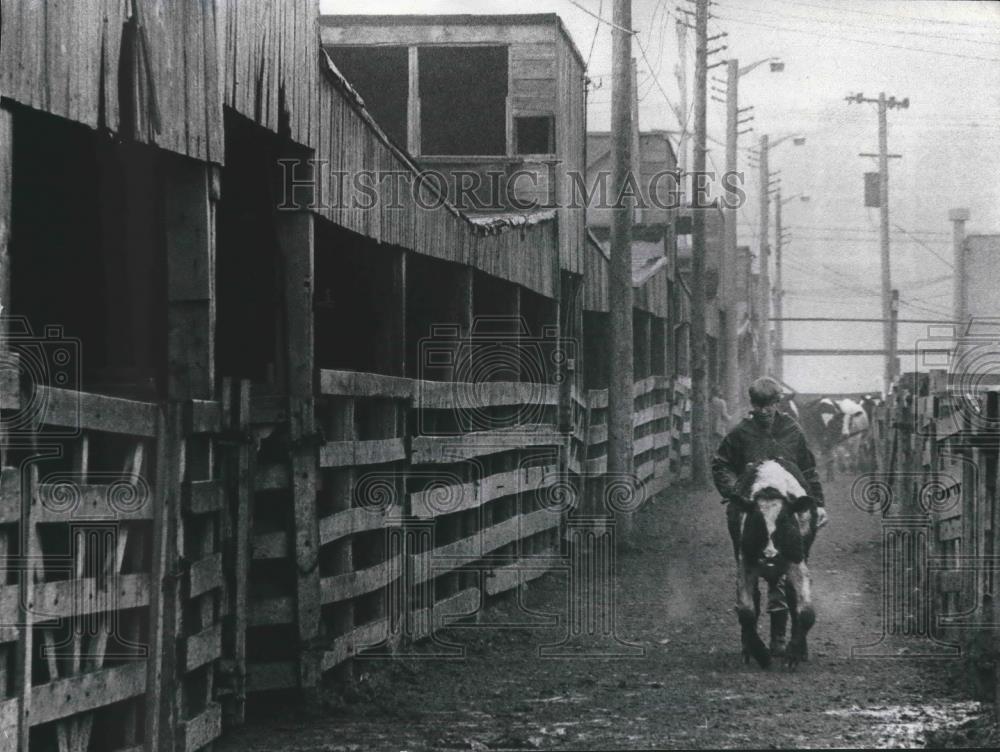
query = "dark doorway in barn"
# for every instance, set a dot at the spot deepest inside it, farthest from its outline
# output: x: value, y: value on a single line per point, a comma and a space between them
x: 358, y: 303
x: 249, y: 339
x: 87, y: 257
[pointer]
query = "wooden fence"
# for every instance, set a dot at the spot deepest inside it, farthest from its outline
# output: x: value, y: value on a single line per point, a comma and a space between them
x: 937, y: 489
x: 87, y: 529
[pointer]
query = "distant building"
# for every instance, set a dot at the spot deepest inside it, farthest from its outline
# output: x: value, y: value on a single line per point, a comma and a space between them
x: 982, y: 276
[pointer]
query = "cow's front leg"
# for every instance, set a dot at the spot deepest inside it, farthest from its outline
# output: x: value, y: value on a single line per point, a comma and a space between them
x: 747, y: 611
x: 804, y: 615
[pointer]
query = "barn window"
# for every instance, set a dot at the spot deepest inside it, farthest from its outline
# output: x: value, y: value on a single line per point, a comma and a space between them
x: 381, y: 76
x: 463, y: 101
x: 535, y: 134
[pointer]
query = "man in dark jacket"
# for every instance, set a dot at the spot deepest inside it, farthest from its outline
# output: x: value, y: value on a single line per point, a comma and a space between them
x: 765, y: 434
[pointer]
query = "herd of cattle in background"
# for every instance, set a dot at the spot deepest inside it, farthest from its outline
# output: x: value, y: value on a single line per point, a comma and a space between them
x: 837, y: 430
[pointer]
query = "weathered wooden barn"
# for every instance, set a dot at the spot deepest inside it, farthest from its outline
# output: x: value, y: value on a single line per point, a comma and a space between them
x: 255, y: 422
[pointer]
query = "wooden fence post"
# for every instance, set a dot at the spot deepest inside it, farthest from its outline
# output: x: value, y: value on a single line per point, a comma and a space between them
x: 295, y: 236
x: 191, y: 190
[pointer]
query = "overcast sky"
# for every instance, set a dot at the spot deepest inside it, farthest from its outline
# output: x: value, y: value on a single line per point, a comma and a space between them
x: 944, y: 56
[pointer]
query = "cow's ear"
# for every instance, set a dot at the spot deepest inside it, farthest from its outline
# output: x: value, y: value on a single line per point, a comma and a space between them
x: 803, y: 504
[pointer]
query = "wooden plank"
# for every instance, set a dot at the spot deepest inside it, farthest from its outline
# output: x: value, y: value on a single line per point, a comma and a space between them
x: 444, y: 499
x: 598, y: 434
x: 242, y: 549
x: 359, y: 384
x: 8, y: 721
x: 426, y: 34
x: 203, y: 647
x: 448, y: 449
x: 643, y: 445
x: 202, y: 416
x: 950, y: 529
x: 413, y: 101
x: 448, y: 395
x: 349, y: 522
x: 597, y: 399
x: 64, y: 598
x: 359, y: 453
x: 428, y: 620
x: 9, y: 387
x: 94, y: 501
x: 203, y: 496
x: 342, y: 587
x: 10, y: 495
x: 85, y: 692
x: 205, y: 574
x: 532, y: 67
x: 650, y: 414
x: 203, y: 729
x: 163, y: 607
x: 348, y: 645
x: 75, y: 410
x: 457, y: 554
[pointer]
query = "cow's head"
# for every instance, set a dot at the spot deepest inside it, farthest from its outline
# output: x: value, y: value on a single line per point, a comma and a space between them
x: 780, y: 520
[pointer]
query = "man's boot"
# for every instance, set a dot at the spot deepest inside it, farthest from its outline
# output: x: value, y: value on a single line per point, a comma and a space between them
x: 779, y: 627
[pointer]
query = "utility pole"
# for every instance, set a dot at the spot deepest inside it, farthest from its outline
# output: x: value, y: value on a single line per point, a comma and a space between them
x: 958, y: 219
x: 682, y: 85
x: 779, y: 292
x: 764, y: 291
x: 894, y: 332
x: 699, y: 371
x: 620, y: 399
x: 884, y: 105
x: 731, y: 334
x: 883, y: 188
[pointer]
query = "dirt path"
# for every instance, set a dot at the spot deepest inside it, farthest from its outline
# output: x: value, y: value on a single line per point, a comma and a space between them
x: 689, y: 689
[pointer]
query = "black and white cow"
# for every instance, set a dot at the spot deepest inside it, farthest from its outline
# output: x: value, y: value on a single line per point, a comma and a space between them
x: 778, y: 524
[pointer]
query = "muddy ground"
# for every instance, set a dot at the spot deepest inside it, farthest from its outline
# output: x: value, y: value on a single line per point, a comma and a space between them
x: 687, y: 689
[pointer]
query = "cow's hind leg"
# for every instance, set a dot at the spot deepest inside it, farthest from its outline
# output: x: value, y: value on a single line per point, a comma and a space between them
x: 803, y: 615
x: 748, y: 609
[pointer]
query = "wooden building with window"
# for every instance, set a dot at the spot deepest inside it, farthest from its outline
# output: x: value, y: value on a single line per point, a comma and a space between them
x: 477, y: 94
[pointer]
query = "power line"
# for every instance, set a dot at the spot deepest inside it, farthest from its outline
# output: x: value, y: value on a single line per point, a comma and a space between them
x: 797, y: 30
x: 868, y: 29
x: 924, y: 245
x: 597, y: 28
x: 601, y: 20
x: 916, y: 19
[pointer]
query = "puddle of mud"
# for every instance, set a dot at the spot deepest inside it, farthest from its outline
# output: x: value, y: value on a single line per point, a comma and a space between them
x: 908, y: 726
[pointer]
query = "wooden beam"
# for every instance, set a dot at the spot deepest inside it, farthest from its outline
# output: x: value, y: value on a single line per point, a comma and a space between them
x: 242, y: 531
x: 190, y: 253
x: 6, y: 192
x: 413, y: 103
x: 295, y: 237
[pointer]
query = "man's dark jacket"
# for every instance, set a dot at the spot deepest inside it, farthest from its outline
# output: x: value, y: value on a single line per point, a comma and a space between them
x: 749, y: 442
